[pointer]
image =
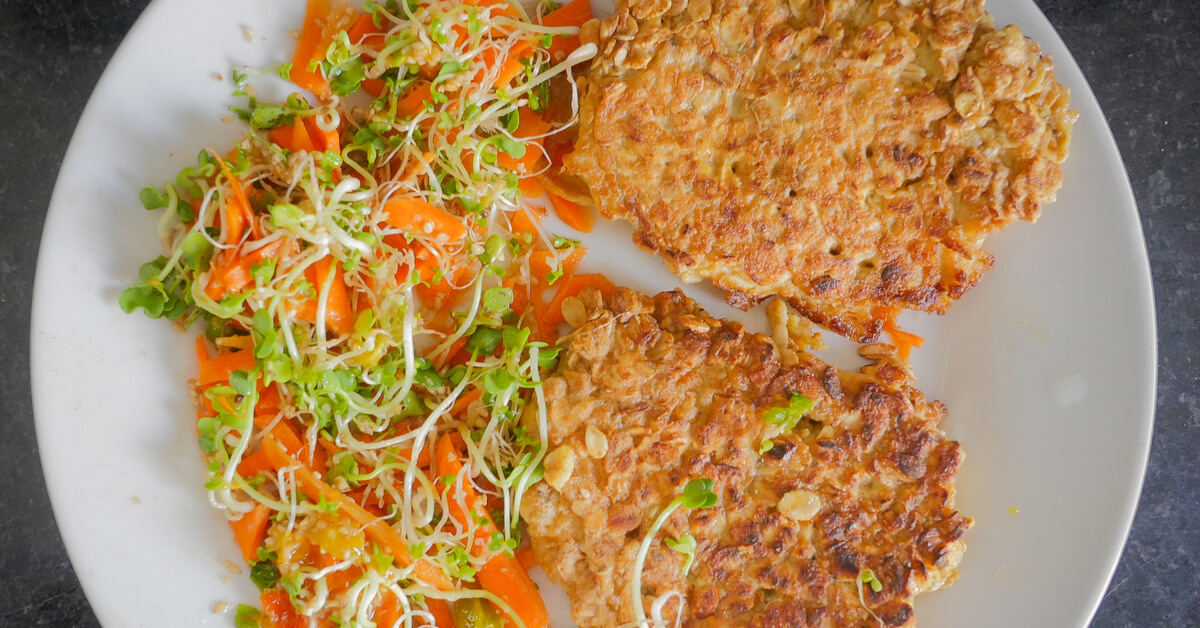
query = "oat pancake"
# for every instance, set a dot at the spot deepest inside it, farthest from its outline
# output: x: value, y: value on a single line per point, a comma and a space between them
x: 652, y: 393
x: 849, y: 156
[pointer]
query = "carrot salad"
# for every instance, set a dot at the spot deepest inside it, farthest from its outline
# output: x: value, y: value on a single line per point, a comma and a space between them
x: 380, y: 303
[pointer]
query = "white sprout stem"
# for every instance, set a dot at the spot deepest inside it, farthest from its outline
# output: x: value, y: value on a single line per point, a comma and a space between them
x: 639, y: 608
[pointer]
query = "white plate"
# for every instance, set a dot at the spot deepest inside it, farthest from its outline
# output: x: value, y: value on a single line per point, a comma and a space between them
x: 1047, y: 367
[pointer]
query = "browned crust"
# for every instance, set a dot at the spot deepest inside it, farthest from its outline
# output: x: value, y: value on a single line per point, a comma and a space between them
x: 845, y: 155
x: 679, y: 395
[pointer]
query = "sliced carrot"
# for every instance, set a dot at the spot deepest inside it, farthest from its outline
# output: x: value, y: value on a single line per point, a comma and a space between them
x: 574, y: 13
x: 576, y: 216
x: 526, y: 557
x: 420, y: 218
x: 339, y: 316
x: 540, y: 264
x: 364, y: 29
x: 530, y: 187
x: 321, y: 140
x: 250, y: 530
x: 511, y: 66
x: 414, y: 102
x: 253, y: 464
x: 464, y: 400
x: 218, y: 369
x: 237, y: 209
x: 322, y: 21
x: 201, y: 350
x: 531, y: 130
x: 904, y: 341
x: 379, y: 532
x: 502, y: 574
x: 278, y: 610
x: 572, y: 286
x: 441, y: 613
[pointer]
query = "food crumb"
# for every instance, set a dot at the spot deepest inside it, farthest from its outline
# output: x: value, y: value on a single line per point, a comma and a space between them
x: 218, y: 76
x: 1014, y: 510
x: 232, y: 567
x: 226, y: 577
x: 248, y: 33
x: 220, y: 607
x: 135, y: 499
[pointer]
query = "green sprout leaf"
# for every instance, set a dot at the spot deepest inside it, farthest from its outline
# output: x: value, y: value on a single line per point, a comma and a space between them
x: 685, y: 545
x: 152, y: 198
x: 787, y: 417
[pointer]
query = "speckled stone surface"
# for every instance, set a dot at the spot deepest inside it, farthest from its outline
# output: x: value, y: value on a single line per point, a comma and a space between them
x: 1142, y: 59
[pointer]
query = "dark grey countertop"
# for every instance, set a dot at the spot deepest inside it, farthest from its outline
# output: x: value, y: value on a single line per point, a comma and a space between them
x: 1142, y: 58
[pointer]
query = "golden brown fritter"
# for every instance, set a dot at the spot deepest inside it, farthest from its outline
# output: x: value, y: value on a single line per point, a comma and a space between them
x: 652, y: 393
x: 846, y: 155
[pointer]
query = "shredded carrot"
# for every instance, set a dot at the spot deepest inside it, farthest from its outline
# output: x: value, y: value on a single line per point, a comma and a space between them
x: 278, y: 610
x: 322, y: 20
x: 219, y: 368
x: 530, y: 129
x: 904, y: 341
x: 574, y: 13
x: 572, y: 286
x: 379, y: 532
x: 339, y: 316
x: 414, y: 102
x: 250, y: 530
x: 526, y: 558
x: 321, y: 139
x: 576, y: 216
x: 420, y: 218
x: 540, y: 265
x: 502, y: 574
x: 530, y: 187
x: 201, y: 350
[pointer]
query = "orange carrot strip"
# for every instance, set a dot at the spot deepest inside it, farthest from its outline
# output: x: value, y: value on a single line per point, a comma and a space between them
x: 575, y: 215
x: 502, y: 574
x: 278, y: 610
x: 511, y: 66
x: 414, y: 102
x: 201, y: 350
x: 420, y: 218
x: 572, y: 286
x: 574, y: 13
x: 321, y: 139
x: 240, y: 213
x: 530, y: 187
x: 531, y: 126
x: 339, y: 316
x: 540, y: 265
x: 464, y: 400
x: 377, y: 530
x: 309, y: 48
x: 253, y: 464
x: 526, y: 558
x: 218, y: 369
x: 441, y: 613
x: 250, y: 530
x: 364, y: 28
